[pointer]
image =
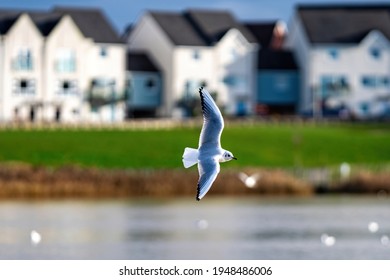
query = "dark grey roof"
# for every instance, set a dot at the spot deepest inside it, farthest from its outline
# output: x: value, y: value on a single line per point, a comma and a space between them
x: 213, y: 25
x: 276, y: 60
x: 262, y: 31
x: 45, y: 21
x: 344, y: 23
x: 178, y: 29
x: 7, y: 18
x: 127, y: 32
x: 140, y: 62
x: 91, y: 22
x: 198, y: 27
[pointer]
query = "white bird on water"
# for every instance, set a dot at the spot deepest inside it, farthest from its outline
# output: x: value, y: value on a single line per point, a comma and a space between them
x: 35, y: 237
x: 209, y: 153
x: 328, y: 240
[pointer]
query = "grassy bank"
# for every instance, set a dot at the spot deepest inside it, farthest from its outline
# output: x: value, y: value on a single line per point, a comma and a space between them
x: 293, y: 159
x: 265, y: 144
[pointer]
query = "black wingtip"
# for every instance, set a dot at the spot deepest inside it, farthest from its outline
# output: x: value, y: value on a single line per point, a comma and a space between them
x: 201, y: 98
x: 197, y: 193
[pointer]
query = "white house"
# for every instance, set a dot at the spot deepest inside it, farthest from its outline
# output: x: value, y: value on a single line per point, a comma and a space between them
x: 20, y: 66
x: 104, y: 63
x: 64, y: 65
x: 344, y: 55
x: 199, y: 48
x: 63, y: 68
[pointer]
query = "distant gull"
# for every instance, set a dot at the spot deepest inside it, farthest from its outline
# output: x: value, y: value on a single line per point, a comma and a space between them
x: 373, y: 227
x: 328, y: 240
x: 385, y: 241
x: 249, y: 181
x: 202, y: 224
x: 345, y: 170
x: 210, y: 153
x: 35, y: 237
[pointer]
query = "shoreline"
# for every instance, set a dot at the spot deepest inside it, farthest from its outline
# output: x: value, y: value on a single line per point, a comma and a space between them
x: 34, y: 182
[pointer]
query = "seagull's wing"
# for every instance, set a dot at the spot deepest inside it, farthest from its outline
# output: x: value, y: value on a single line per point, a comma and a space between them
x: 208, y: 171
x: 212, y: 119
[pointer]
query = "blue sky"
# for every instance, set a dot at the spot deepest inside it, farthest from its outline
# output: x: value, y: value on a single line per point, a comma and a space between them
x: 123, y: 12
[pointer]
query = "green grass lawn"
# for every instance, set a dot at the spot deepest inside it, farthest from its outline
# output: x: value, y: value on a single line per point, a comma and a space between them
x: 268, y: 145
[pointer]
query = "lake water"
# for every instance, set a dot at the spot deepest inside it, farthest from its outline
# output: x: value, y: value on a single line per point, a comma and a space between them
x: 214, y: 228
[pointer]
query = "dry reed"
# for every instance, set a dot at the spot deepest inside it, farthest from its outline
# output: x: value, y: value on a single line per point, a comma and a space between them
x: 26, y: 181
x: 364, y: 182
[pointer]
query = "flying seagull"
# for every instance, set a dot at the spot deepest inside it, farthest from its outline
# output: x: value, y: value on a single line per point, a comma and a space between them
x: 209, y: 153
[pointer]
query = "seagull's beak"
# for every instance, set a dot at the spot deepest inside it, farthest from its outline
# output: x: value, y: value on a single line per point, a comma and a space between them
x: 234, y: 158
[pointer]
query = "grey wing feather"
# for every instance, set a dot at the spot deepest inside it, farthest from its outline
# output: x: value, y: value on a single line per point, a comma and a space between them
x: 208, y: 171
x: 212, y: 119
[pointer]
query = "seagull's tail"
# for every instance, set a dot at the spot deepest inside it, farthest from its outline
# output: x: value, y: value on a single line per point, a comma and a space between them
x: 190, y: 157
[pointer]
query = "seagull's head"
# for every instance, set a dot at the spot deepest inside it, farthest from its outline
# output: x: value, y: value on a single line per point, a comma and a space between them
x: 227, y: 156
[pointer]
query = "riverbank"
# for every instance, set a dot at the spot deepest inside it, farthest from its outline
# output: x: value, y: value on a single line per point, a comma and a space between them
x: 144, y: 159
x: 30, y: 182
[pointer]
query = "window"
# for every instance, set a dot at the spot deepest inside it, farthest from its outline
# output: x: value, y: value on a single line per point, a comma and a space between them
x: 65, y: 61
x: 102, y: 88
x: 369, y: 81
x: 385, y: 81
x: 333, y: 53
x: 23, y: 60
x: 24, y: 86
x: 103, y: 52
x: 375, y: 53
x: 150, y: 83
x: 66, y: 87
x: 333, y: 85
x: 191, y: 88
x: 233, y: 54
x: 364, y: 107
x: 196, y: 54
x: 230, y: 80
x: 236, y: 82
x: 102, y: 91
x: 372, y: 81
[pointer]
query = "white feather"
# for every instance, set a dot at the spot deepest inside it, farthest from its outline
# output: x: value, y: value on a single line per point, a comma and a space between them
x: 190, y: 157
